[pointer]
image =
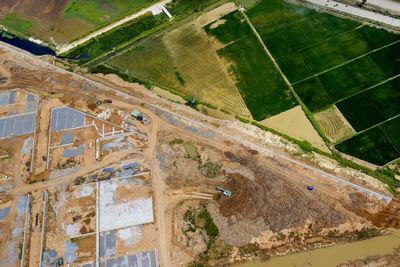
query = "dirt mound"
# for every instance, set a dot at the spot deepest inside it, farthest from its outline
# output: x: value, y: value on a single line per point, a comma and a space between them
x: 241, y: 189
x: 272, y: 197
x: 386, y: 217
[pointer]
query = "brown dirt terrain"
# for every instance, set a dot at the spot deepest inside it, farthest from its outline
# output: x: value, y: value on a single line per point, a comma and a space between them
x: 48, y: 18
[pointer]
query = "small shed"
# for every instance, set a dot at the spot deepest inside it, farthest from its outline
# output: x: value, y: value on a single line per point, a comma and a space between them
x: 135, y: 113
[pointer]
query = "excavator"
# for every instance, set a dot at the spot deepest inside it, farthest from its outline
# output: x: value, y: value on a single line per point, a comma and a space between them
x: 59, y: 262
x: 226, y: 193
x: 98, y: 102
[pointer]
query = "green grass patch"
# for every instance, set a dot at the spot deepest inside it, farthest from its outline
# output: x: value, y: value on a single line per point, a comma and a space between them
x: 378, y: 145
x: 209, y: 225
x: 102, y: 11
x: 373, y: 106
x: 11, y: 21
x: 191, y: 150
x: 182, y: 8
x: 244, y: 120
x: 210, y: 169
x: 260, y: 84
x: 112, y: 39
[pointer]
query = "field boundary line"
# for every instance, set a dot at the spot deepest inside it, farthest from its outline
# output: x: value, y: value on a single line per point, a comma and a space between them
x: 330, y: 38
x: 346, y: 62
x: 370, y: 128
x: 24, y: 54
x: 373, y: 126
x: 272, y: 58
x: 367, y: 89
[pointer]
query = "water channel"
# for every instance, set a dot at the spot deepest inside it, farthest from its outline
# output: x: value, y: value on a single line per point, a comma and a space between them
x: 335, y: 255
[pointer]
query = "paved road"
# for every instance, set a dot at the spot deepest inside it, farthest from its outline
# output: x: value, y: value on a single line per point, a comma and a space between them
x: 67, y: 47
x: 386, y: 4
x: 244, y: 142
x: 358, y: 12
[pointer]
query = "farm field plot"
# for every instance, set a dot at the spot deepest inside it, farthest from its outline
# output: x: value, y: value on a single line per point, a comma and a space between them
x: 305, y: 42
x: 323, y: 90
x: 260, y: 84
x: 331, y: 60
x: 373, y: 106
x: 183, y: 60
x: 64, y: 20
x: 110, y: 40
x: 334, y: 125
x: 99, y: 11
x: 378, y: 145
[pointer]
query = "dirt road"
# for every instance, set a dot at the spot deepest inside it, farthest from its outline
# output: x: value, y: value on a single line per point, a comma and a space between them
x: 159, y: 189
x: 68, y: 47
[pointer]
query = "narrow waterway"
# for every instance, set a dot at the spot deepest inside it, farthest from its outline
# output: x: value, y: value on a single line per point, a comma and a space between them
x: 31, y: 47
x: 335, y: 255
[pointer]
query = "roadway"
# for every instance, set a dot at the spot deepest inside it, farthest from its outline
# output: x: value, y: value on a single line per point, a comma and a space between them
x: 358, y: 12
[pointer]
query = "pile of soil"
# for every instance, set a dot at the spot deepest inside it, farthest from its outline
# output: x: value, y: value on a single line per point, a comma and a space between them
x: 279, y: 203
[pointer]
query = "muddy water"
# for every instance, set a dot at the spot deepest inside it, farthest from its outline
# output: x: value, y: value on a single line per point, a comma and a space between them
x: 335, y: 255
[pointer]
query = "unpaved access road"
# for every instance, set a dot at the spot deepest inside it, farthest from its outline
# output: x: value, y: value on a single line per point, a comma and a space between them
x: 68, y: 47
x: 358, y: 12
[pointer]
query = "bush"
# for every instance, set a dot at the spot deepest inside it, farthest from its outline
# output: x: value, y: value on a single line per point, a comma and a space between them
x: 209, y: 226
x: 244, y: 120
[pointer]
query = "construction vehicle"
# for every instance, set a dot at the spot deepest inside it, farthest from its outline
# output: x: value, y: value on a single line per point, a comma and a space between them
x: 226, y: 193
x: 59, y: 262
x: 98, y: 102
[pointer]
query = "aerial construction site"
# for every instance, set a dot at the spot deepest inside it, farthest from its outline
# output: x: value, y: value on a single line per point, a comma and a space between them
x: 95, y: 171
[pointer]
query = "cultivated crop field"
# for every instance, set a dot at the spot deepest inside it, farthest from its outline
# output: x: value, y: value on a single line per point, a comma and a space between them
x: 330, y: 60
x: 378, y: 145
x: 63, y: 20
x: 99, y: 12
x: 260, y: 84
x: 183, y: 60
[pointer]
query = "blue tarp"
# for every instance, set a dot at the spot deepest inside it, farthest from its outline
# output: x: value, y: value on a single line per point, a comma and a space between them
x: 108, y: 170
x: 129, y: 166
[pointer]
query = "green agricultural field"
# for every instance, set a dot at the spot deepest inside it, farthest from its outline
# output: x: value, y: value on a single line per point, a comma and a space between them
x: 99, y: 12
x: 305, y: 42
x: 373, y: 106
x: 11, y: 21
x: 120, y: 35
x: 260, y: 84
x: 183, y: 60
x: 378, y: 145
x: 321, y: 91
x: 331, y: 60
